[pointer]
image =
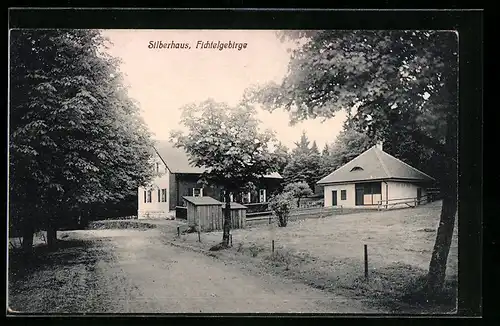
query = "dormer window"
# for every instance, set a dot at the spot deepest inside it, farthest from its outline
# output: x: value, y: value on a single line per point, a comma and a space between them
x: 357, y: 168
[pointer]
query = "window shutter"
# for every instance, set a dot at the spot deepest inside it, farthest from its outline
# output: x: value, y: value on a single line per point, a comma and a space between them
x: 144, y: 195
x: 158, y: 194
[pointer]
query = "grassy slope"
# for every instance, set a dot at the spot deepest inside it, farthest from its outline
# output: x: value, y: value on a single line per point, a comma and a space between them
x: 328, y: 253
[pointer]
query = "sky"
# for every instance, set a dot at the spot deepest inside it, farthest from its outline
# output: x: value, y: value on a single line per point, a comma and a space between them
x: 163, y: 80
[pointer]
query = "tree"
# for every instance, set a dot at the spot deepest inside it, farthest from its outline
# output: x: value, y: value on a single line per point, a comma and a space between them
x: 226, y: 141
x: 302, y: 146
x: 283, y: 156
x: 400, y: 80
x: 304, y: 164
x: 76, y: 138
x: 314, y: 148
x: 298, y: 190
x: 349, y: 144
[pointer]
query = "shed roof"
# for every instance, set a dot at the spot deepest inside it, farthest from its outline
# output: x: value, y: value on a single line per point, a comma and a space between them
x: 235, y: 206
x: 177, y: 160
x: 375, y: 164
x: 202, y: 201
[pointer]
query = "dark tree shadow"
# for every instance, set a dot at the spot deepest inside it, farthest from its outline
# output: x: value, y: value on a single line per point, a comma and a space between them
x: 68, y: 252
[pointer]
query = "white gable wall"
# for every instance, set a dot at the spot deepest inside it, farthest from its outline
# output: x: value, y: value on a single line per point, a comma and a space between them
x: 155, y: 209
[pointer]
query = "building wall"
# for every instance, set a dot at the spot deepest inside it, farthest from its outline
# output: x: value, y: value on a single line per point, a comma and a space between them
x: 350, y: 192
x: 401, y: 190
x: 186, y: 182
x: 155, y: 209
x: 172, y: 191
x: 389, y: 189
x: 184, y: 186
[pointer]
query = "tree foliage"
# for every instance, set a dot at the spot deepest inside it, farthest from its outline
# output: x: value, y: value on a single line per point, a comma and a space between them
x: 281, y: 205
x: 404, y: 81
x: 228, y: 143
x: 283, y: 156
x: 76, y: 138
x: 298, y: 190
x: 304, y: 164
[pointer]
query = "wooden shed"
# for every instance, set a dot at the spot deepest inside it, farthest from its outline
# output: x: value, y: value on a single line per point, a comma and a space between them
x: 208, y: 213
x: 238, y: 215
x: 205, y: 212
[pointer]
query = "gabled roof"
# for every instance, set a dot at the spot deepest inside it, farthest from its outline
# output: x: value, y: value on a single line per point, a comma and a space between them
x: 177, y: 160
x: 202, y: 201
x: 374, y: 164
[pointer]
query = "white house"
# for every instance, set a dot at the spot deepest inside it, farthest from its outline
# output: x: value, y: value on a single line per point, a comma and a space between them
x: 372, y: 178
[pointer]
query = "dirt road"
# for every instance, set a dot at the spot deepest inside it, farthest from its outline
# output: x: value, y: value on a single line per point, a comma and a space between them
x: 146, y: 275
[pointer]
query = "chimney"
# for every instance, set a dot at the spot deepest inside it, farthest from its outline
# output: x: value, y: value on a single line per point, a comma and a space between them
x: 380, y: 145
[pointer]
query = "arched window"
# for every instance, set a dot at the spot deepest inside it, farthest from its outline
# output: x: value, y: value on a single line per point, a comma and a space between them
x: 357, y: 168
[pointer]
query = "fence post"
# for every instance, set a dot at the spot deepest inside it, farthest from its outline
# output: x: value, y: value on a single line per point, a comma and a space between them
x: 199, y: 236
x: 366, y: 262
x: 231, y: 238
x: 272, y: 245
x: 179, y: 231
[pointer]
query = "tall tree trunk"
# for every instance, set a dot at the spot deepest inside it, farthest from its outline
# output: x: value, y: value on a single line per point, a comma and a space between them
x: 28, y: 233
x: 437, y: 266
x: 52, y: 236
x: 227, y: 220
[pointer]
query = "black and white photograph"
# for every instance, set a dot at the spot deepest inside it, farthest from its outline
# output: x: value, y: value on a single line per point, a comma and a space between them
x: 157, y: 171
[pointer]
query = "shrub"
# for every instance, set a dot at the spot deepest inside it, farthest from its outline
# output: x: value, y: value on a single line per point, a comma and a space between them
x: 298, y: 190
x: 281, y: 205
x: 280, y: 257
x: 254, y: 250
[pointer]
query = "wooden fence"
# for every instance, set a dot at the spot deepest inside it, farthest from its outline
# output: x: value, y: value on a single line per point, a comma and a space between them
x: 406, y: 202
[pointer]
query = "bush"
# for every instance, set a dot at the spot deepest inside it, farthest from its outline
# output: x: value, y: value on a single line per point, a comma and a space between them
x: 281, y: 205
x: 298, y: 190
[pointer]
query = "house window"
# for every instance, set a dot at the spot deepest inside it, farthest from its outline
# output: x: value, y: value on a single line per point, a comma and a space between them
x: 224, y: 197
x: 357, y: 168
x: 247, y: 198
x: 262, y: 195
x: 372, y: 188
x: 343, y: 195
x: 197, y: 192
x: 144, y: 195
x: 158, y: 194
x: 148, y: 199
x: 164, y: 195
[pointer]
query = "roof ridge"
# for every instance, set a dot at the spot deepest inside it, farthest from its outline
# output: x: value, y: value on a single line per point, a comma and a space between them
x: 381, y: 161
x: 344, y: 165
x: 408, y: 165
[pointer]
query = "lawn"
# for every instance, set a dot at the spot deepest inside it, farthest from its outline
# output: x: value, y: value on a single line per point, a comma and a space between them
x: 328, y: 253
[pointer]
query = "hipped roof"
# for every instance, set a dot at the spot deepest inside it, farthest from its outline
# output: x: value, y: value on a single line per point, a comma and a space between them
x: 375, y: 164
x: 177, y: 160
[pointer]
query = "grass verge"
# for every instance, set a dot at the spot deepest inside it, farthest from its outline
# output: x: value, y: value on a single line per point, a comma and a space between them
x: 395, y: 288
x: 64, y: 281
